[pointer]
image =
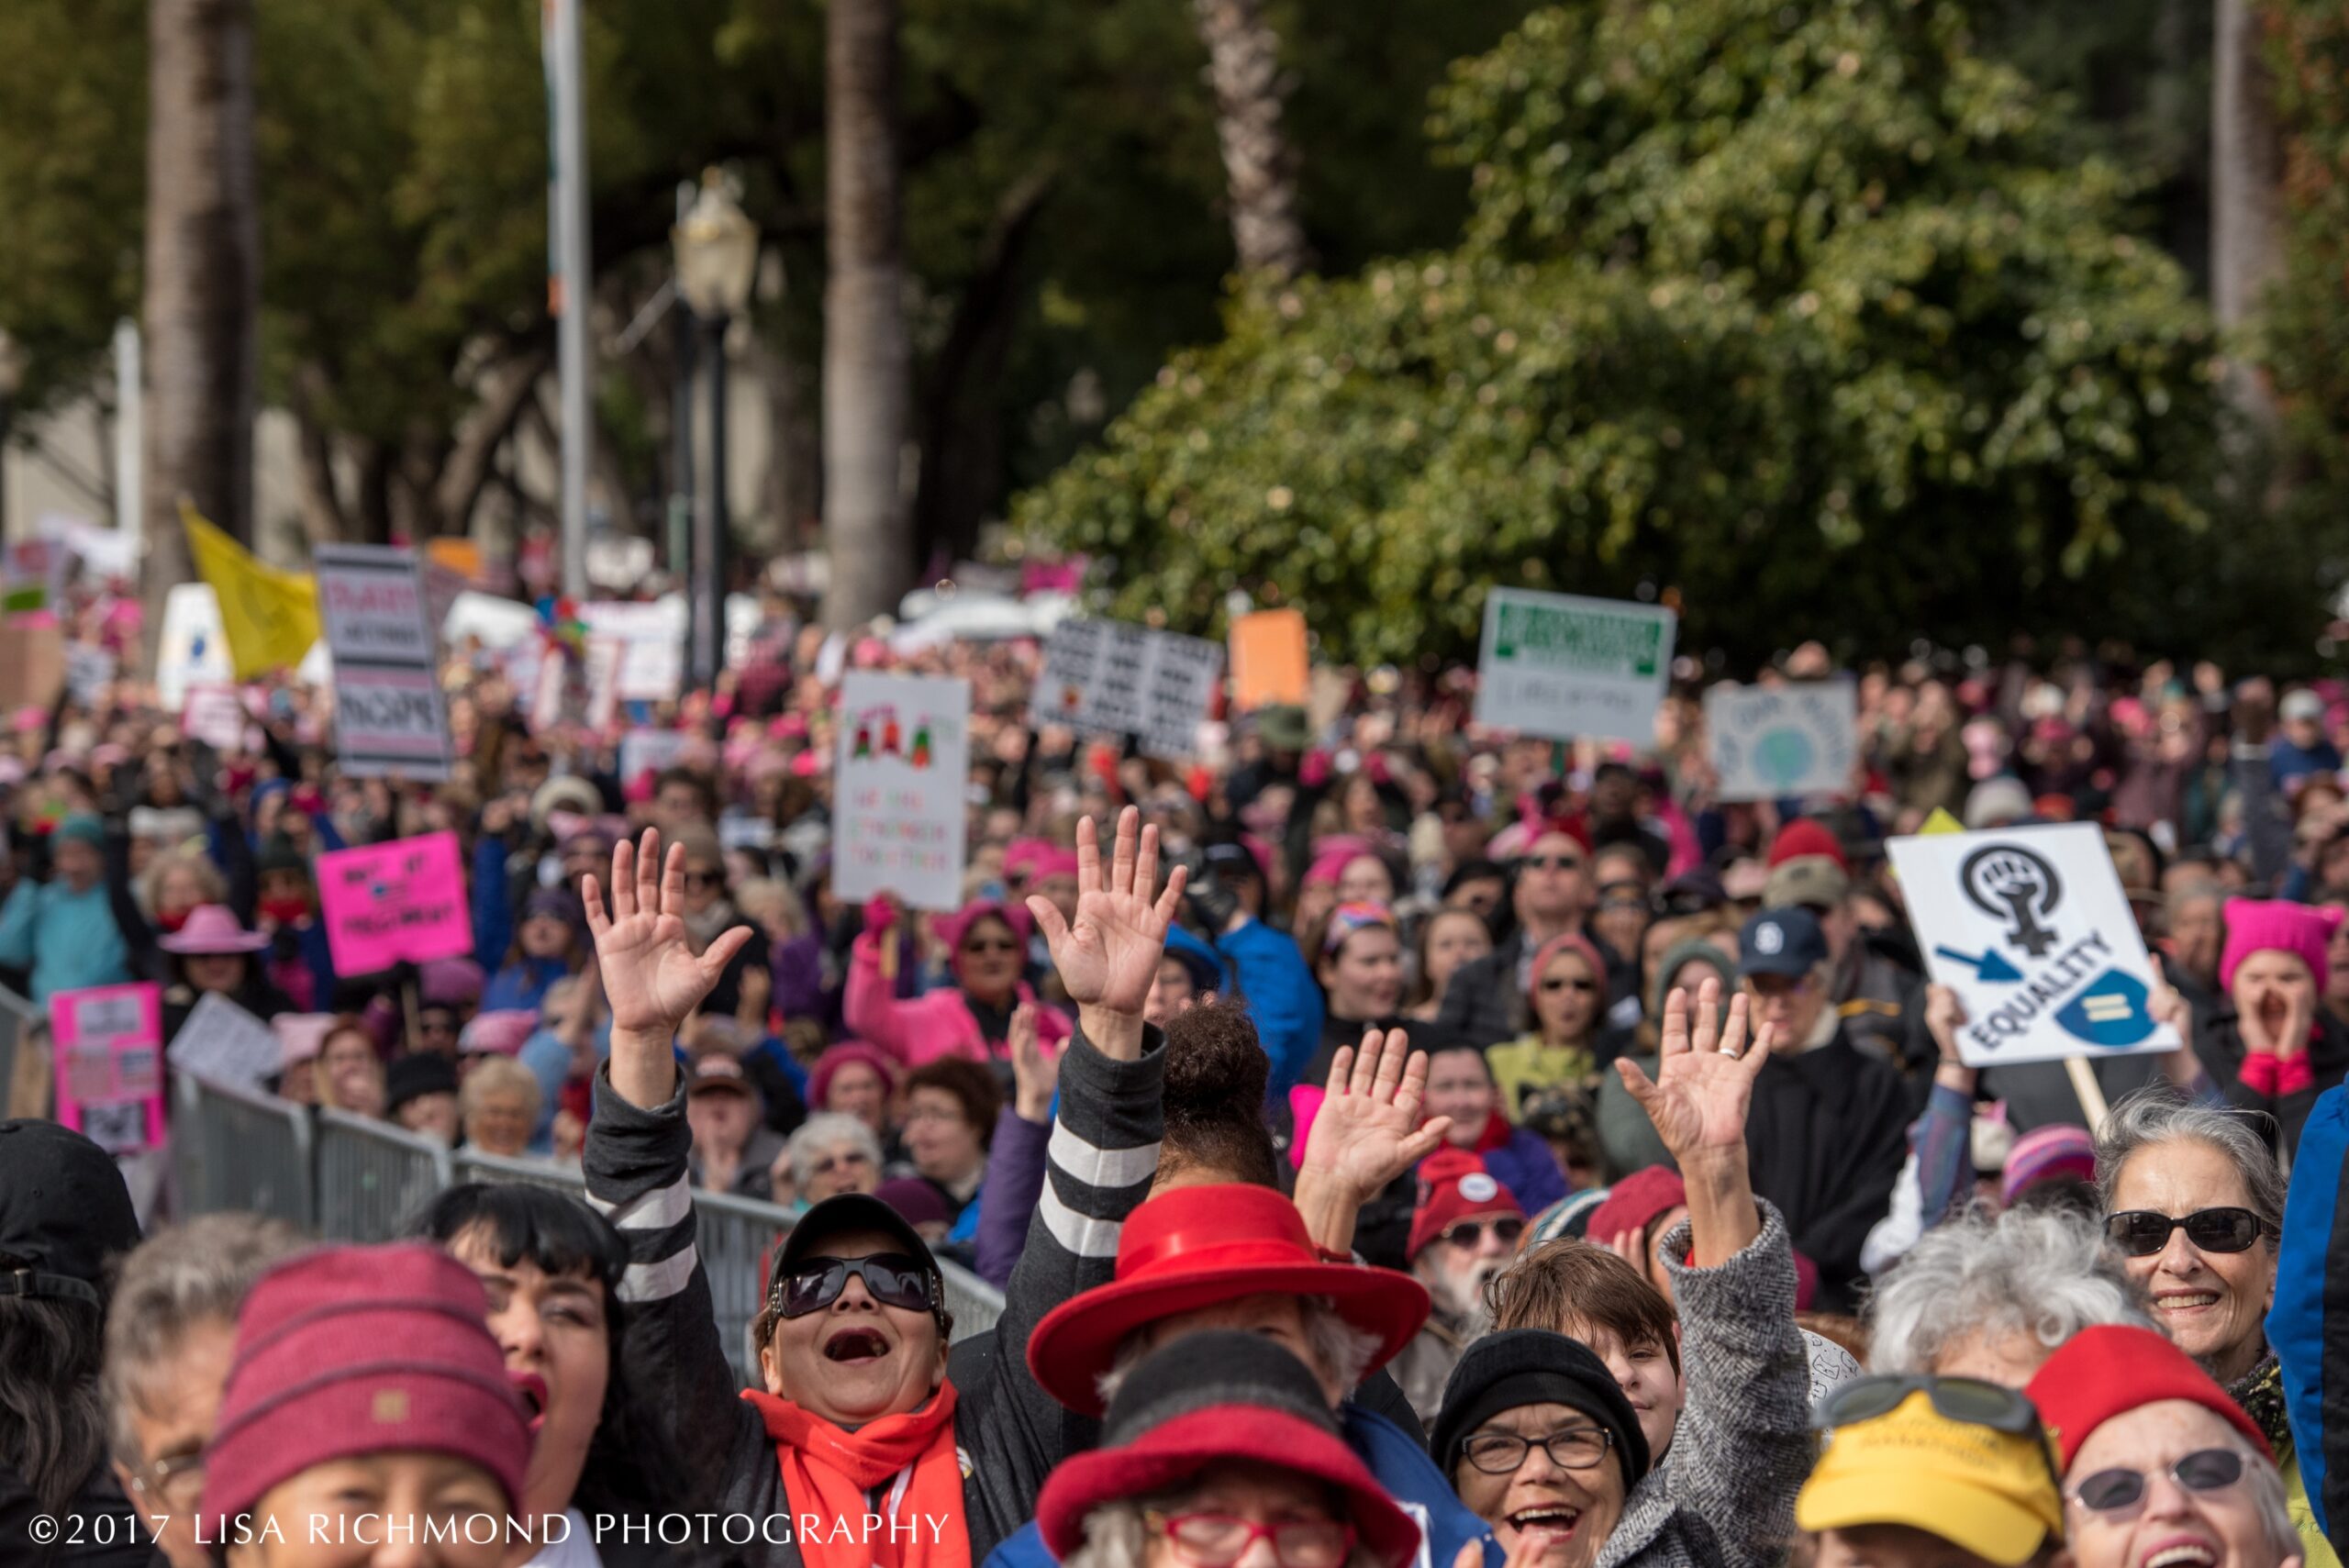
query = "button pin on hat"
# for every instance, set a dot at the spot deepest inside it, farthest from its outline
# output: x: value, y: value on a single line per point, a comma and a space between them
x: 1478, y: 1187
x: 1769, y: 939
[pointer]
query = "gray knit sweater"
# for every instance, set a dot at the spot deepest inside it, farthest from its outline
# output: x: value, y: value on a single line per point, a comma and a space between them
x: 1725, y: 1495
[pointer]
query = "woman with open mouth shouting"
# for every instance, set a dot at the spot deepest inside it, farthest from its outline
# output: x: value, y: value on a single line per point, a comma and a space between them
x: 857, y: 1451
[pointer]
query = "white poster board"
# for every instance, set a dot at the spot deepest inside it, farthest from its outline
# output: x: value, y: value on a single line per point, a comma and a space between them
x: 1109, y: 676
x: 216, y: 716
x: 902, y: 766
x: 1566, y: 667
x: 225, y: 1043
x: 194, y: 648
x: 1770, y: 742
x: 388, y: 712
x: 646, y: 752
x: 2030, y: 927
x: 651, y: 638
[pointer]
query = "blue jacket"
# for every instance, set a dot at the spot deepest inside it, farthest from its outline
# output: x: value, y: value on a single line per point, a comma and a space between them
x: 1527, y: 1168
x: 2308, y: 1327
x: 1402, y: 1467
x: 1283, y: 1000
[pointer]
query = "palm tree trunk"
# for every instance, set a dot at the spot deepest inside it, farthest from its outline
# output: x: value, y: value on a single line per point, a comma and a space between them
x: 1260, y: 174
x: 868, y: 360
x: 203, y: 287
x: 2246, y: 188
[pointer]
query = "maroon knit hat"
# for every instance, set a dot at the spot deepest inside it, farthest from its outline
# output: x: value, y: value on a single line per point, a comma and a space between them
x: 351, y: 1350
x: 1635, y: 1202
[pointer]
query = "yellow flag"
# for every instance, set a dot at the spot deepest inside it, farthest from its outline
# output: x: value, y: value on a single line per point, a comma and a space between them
x: 1940, y: 822
x: 270, y: 616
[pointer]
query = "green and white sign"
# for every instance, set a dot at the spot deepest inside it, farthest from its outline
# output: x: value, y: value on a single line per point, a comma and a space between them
x: 1563, y: 666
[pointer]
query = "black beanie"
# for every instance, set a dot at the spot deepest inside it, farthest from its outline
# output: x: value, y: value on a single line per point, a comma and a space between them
x: 415, y: 1075
x: 1212, y: 1368
x: 1533, y: 1366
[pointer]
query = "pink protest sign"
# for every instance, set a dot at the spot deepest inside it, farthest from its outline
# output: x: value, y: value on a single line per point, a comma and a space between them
x: 111, y: 1064
x: 389, y: 902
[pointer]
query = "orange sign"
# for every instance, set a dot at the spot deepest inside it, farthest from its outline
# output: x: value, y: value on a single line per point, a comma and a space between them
x: 1268, y: 660
x: 462, y: 556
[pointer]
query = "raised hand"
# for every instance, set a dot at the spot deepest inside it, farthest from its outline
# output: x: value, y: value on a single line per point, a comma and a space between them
x: 1367, y: 1131
x: 1704, y: 1078
x: 1108, y: 955
x: 1035, y: 1076
x: 652, y: 980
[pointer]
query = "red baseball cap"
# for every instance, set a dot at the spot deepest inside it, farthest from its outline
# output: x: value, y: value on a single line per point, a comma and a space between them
x: 1454, y: 1186
x: 2111, y: 1369
x: 1195, y: 1247
x: 1807, y: 836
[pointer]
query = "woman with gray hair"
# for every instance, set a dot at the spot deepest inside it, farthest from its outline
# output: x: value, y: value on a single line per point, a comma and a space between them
x: 1994, y: 1296
x: 831, y: 1152
x: 170, y: 1332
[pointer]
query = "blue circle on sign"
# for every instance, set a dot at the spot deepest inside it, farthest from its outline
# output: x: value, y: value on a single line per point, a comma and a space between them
x: 1784, y: 756
x: 2111, y: 1013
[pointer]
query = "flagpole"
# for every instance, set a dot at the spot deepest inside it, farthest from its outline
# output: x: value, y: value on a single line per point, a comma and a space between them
x: 570, y: 275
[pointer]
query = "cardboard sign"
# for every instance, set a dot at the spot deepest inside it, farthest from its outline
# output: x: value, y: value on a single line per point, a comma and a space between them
x: 224, y: 1043
x: 111, y: 1064
x: 1107, y: 676
x: 385, y: 903
x: 1566, y: 667
x: 1770, y: 742
x: 1268, y: 660
x: 2030, y: 927
x: 903, y: 762
x: 389, y: 716
x: 32, y: 575
x: 32, y: 662
x: 216, y: 716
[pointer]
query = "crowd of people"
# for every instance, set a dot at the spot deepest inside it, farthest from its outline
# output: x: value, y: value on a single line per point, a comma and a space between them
x: 1394, y: 1142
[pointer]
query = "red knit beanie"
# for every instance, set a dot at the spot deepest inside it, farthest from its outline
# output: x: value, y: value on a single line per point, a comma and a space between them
x: 351, y: 1351
x: 1807, y: 836
x: 2109, y: 1371
x: 1635, y: 1202
x: 1454, y: 1186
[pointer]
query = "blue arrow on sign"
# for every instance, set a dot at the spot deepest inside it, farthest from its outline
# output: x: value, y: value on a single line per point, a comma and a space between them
x: 1989, y: 966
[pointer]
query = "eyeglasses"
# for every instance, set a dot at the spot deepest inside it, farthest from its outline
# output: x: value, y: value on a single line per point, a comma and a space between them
x: 1219, y: 1540
x: 2120, y: 1491
x: 831, y: 1162
x: 2141, y: 1232
x: 700, y: 880
x: 177, y: 1482
x: 1508, y: 1228
x: 1584, y: 986
x: 1553, y: 863
x: 1969, y: 1399
x: 990, y: 944
x: 894, y: 1279
x: 1576, y: 1448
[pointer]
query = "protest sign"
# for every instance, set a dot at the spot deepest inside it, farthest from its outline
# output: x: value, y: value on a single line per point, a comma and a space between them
x: 2030, y: 927
x: 388, y: 713
x: 32, y: 662
x: 646, y: 752
x: 194, y: 651
x: 903, y: 762
x: 651, y: 638
x: 1105, y: 675
x: 385, y: 903
x: 1269, y: 663
x: 109, y: 1065
x: 87, y: 672
x: 1566, y: 667
x: 222, y: 1042
x: 216, y: 716
x: 32, y: 575
x: 1770, y: 742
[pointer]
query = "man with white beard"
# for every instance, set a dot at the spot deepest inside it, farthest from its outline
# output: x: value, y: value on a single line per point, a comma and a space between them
x: 1463, y: 1233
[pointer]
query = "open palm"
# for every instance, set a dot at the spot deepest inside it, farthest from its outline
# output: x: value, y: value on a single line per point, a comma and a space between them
x: 1704, y: 1080
x: 652, y: 978
x: 1367, y: 1131
x: 1108, y: 955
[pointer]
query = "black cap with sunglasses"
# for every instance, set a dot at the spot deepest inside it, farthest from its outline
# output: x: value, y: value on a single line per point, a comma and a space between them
x: 808, y: 1279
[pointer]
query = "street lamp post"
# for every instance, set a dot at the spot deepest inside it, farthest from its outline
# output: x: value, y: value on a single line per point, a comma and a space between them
x: 12, y: 376
x: 717, y: 262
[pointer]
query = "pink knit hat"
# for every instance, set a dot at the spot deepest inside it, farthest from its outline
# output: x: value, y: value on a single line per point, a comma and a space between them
x: 2047, y: 1153
x: 1573, y: 942
x: 2271, y: 925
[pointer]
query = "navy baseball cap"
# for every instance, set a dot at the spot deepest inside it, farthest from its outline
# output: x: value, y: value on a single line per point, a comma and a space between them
x: 1781, y: 941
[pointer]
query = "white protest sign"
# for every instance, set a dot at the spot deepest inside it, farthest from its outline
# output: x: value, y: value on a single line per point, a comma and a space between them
x: 1129, y: 679
x: 223, y: 1042
x: 898, y: 804
x: 88, y: 670
x: 646, y: 752
x: 216, y: 716
x: 389, y: 716
x: 652, y: 638
x: 2030, y: 927
x: 1770, y: 742
x: 1566, y: 667
x: 194, y: 650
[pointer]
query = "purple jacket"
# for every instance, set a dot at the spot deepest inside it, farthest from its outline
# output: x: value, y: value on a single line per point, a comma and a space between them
x: 1010, y: 1194
x: 1527, y: 1168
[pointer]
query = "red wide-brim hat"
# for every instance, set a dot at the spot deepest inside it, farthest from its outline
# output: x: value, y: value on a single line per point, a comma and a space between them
x: 1178, y: 1449
x: 1199, y: 1246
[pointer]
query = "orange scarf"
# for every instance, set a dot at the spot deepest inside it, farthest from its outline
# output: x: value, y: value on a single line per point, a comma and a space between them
x: 829, y: 1473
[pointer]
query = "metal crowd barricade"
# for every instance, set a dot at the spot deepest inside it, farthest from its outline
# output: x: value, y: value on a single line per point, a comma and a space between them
x: 236, y: 1149
x: 374, y: 1178
x: 19, y: 1021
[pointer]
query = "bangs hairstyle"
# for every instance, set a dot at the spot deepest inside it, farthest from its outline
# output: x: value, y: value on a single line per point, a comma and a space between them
x: 1562, y: 1283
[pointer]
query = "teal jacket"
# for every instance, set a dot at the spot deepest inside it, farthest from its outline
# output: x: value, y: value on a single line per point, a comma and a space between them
x: 67, y: 940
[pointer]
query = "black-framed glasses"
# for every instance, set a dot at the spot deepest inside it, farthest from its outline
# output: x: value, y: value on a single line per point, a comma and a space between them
x: 1498, y: 1452
x: 2120, y: 1491
x: 2141, y: 1232
x: 1463, y: 1233
x: 1219, y: 1540
x: 894, y: 1280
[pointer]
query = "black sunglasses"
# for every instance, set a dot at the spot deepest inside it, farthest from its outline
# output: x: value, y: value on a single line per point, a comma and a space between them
x: 894, y: 1280
x: 1967, y: 1399
x: 1584, y: 986
x: 2204, y: 1470
x: 1467, y: 1232
x: 990, y: 944
x: 2141, y: 1232
x: 1553, y: 863
x: 701, y: 879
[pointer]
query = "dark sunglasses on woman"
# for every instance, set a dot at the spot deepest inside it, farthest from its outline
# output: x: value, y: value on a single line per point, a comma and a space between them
x: 894, y: 1280
x: 2118, y: 1491
x: 2141, y: 1232
x: 1969, y: 1399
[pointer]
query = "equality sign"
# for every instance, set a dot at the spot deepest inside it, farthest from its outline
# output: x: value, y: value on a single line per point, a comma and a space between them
x: 111, y: 1064
x: 903, y: 767
x: 385, y: 903
x: 389, y: 716
x: 1563, y: 666
x: 1769, y: 742
x: 2030, y: 927
x: 1107, y: 675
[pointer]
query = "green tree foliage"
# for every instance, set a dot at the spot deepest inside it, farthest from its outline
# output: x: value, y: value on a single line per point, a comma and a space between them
x: 2306, y: 344
x: 1810, y: 318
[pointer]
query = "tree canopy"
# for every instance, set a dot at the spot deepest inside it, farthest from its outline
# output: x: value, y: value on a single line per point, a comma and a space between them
x: 1812, y: 319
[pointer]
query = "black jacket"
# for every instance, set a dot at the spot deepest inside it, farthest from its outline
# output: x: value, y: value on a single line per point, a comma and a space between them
x: 1827, y: 1135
